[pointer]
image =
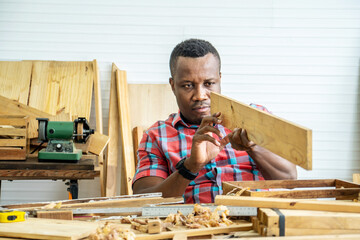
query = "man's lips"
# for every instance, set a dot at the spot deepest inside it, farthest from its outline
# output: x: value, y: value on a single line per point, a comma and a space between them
x: 203, y: 108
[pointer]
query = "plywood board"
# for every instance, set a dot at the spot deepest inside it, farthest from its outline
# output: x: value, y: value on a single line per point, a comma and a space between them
x: 128, y: 162
x: 288, y: 140
x: 113, y: 151
x: 34, y: 228
x: 287, y: 203
x: 56, y: 85
x: 15, y: 80
x: 149, y: 103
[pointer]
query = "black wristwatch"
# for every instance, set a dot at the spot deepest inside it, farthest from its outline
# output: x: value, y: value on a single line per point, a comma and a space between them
x: 183, y: 171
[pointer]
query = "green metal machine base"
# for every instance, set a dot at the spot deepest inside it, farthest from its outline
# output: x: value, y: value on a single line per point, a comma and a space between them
x: 60, y: 156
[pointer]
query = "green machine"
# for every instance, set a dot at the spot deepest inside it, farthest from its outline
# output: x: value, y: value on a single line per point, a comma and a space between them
x: 60, y: 137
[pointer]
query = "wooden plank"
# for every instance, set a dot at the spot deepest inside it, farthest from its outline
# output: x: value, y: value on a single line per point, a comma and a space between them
x: 137, y: 135
x: 97, y: 143
x: 12, y: 154
x: 313, y: 231
x: 47, y: 174
x: 149, y: 103
x: 279, y: 136
x: 128, y: 162
x: 345, y: 184
x: 15, y: 80
x: 35, y: 228
x: 245, y: 226
x: 136, y: 202
x: 113, y: 153
x: 332, y: 206
x: 311, y: 219
x: 59, y: 214
x: 13, y: 142
x: 57, y: 85
x: 12, y: 131
x: 13, y: 120
x: 312, y: 237
x: 267, y: 184
x: 97, y: 93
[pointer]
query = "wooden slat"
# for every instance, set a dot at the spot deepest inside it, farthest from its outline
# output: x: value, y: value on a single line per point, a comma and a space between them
x: 12, y: 120
x: 356, y: 178
x: 345, y: 184
x: 12, y: 154
x: 137, y: 135
x: 47, y: 174
x: 65, y: 215
x: 267, y: 184
x: 13, y: 142
x: 150, y: 103
x: 97, y: 93
x: 35, y: 228
x: 128, y: 162
x: 312, y: 237
x: 97, y: 143
x: 15, y: 80
x: 57, y: 85
x: 305, y: 231
x: 286, y: 203
x: 113, y: 153
x: 12, y: 131
x: 279, y: 136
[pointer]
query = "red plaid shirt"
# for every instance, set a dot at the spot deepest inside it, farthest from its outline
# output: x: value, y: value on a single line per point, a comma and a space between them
x: 165, y: 143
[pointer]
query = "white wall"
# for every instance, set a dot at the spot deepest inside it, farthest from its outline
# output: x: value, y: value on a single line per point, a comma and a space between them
x: 298, y: 58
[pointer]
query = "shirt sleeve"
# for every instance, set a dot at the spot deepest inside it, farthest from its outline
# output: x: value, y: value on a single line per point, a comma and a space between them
x: 152, y: 162
x: 260, y: 107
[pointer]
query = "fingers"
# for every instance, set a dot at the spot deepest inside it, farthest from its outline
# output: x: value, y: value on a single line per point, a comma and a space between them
x: 239, y: 140
x: 205, y: 137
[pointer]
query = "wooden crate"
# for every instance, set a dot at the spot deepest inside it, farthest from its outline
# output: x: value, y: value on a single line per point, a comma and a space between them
x: 300, y: 189
x: 13, y: 137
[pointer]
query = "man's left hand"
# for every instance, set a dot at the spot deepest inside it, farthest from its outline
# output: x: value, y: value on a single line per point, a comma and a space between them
x: 240, y: 141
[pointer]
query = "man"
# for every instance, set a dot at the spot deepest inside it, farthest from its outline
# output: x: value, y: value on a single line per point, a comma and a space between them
x: 191, y: 153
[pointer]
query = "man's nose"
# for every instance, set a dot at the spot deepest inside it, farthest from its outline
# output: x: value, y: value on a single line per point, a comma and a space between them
x: 200, y: 93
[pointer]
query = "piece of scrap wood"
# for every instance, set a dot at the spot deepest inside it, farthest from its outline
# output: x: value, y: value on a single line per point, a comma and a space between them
x: 128, y: 162
x: 97, y: 143
x: 288, y: 140
x: 113, y: 149
x: 154, y: 226
x: 288, y: 203
x: 65, y: 215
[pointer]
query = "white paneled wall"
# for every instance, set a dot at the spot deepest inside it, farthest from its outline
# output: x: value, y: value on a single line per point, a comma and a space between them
x: 298, y: 58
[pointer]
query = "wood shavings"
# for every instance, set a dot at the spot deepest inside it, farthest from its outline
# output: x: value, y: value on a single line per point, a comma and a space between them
x: 238, y: 191
x: 112, y: 232
x: 201, y: 216
x: 52, y: 205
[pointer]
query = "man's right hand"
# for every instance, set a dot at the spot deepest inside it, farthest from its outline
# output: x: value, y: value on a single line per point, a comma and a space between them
x: 204, y: 146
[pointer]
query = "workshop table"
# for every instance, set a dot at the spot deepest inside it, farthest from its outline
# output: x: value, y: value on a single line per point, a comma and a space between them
x: 32, y: 169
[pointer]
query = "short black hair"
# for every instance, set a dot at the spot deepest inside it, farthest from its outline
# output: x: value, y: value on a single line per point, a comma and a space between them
x: 193, y: 48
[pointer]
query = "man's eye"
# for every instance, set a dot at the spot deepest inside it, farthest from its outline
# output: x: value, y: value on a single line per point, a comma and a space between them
x: 208, y: 84
x: 187, y: 85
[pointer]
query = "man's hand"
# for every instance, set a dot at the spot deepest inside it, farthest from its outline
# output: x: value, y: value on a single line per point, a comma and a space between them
x: 239, y: 140
x: 204, y: 146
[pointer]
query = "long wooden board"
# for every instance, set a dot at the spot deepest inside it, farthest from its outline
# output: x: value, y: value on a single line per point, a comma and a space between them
x: 128, y: 162
x: 288, y: 203
x: 286, y: 139
x: 34, y: 228
x: 113, y: 149
x: 15, y: 80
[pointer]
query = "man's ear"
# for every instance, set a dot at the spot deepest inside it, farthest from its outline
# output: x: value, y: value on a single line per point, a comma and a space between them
x: 172, y: 84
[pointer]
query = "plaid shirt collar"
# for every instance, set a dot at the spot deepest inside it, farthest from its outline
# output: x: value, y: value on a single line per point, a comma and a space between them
x: 178, y: 120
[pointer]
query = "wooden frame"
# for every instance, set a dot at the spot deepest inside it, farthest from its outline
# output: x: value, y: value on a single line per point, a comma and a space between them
x: 322, y: 188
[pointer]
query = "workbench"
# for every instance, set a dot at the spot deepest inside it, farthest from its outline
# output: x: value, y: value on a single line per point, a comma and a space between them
x: 32, y: 169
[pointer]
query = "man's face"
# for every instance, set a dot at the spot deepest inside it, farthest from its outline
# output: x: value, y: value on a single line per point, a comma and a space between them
x: 192, y: 83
